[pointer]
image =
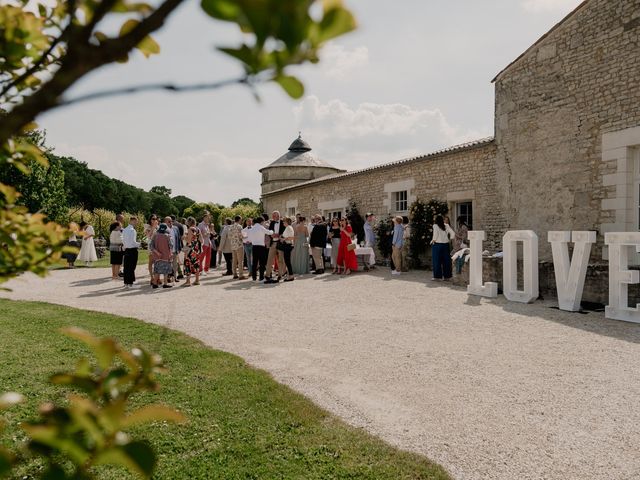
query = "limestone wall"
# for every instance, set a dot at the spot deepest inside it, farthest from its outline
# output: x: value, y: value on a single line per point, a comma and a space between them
x: 553, y: 107
x: 275, y: 178
x: 467, y: 174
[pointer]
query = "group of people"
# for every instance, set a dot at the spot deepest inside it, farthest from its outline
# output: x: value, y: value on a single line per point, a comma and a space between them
x: 269, y: 250
x: 444, y: 238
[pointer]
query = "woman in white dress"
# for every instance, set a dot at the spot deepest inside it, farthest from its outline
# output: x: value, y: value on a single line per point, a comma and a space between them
x: 88, y: 248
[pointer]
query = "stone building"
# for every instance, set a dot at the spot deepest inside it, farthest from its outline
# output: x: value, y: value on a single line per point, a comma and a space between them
x: 566, y: 150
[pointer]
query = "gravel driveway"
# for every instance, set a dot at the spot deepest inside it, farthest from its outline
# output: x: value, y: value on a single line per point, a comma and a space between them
x: 487, y: 388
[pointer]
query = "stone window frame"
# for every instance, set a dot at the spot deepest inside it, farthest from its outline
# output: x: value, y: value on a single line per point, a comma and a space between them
x: 341, y: 204
x: 462, y: 196
x: 620, y: 149
x: 390, y: 189
x: 291, y: 204
x: 400, y: 199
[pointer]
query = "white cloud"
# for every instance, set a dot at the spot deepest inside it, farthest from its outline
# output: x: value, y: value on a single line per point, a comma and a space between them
x: 338, y: 62
x: 537, y: 6
x: 370, y: 133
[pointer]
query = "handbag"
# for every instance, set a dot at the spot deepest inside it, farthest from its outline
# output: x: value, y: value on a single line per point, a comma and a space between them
x: 351, y: 247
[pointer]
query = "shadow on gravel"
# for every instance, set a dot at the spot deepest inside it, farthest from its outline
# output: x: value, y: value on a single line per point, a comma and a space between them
x: 91, y: 281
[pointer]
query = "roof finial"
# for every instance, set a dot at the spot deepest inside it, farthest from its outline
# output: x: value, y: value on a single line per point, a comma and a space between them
x: 299, y: 135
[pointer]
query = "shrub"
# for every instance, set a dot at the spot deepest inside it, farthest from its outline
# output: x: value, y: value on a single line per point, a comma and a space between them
x: 422, y: 218
x: 90, y: 428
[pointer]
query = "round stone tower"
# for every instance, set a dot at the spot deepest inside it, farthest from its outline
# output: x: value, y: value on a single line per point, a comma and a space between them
x: 298, y: 165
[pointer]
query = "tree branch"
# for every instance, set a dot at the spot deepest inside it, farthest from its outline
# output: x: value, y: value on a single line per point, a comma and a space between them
x: 81, y: 58
x: 155, y: 87
x: 34, y: 68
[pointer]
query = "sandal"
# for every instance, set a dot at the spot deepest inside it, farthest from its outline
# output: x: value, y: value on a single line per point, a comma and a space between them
x: 196, y: 283
x: 186, y: 284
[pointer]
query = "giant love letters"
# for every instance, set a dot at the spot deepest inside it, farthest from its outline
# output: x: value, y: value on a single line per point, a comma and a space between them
x: 570, y: 274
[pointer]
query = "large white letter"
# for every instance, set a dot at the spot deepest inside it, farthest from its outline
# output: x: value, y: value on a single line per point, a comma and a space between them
x: 529, y: 241
x: 475, y: 287
x: 570, y: 275
x: 620, y: 277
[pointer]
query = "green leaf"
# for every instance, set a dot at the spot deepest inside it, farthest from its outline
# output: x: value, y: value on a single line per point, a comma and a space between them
x: 335, y: 22
x: 55, y: 472
x: 227, y: 10
x: 291, y: 85
x: 153, y: 413
x: 5, y: 462
x: 148, y: 46
x: 85, y: 384
x: 136, y: 456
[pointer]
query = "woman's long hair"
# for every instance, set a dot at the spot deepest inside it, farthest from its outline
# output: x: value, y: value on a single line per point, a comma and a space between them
x: 440, y: 222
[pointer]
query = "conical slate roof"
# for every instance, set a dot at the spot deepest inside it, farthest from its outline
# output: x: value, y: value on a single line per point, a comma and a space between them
x: 299, y: 155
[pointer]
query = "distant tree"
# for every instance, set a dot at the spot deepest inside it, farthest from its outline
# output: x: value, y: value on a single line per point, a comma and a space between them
x: 41, y: 185
x: 41, y: 190
x: 161, y: 190
x: 181, y: 203
x: 162, y: 205
x: 244, y: 201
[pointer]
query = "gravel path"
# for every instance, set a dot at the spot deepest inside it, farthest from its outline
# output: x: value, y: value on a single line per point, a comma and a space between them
x: 489, y: 389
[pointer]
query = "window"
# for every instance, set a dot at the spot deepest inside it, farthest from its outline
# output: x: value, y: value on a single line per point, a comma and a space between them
x: 464, y: 210
x: 400, y: 201
x: 291, y: 211
x: 328, y: 214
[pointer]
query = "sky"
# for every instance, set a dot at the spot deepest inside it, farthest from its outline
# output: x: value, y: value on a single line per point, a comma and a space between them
x: 415, y: 77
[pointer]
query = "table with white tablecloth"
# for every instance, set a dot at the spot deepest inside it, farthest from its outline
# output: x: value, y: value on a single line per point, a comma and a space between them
x: 365, y: 254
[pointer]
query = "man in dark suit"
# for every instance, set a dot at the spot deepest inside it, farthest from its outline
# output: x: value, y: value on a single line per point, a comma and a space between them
x: 277, y: 226
x: 318, y: 242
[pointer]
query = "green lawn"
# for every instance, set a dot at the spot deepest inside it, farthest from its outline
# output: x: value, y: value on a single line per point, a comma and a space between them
x: 242, y: 424
x: 143, y: 258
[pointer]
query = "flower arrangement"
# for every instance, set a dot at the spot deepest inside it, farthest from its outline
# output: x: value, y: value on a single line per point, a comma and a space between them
x: 422, y: 215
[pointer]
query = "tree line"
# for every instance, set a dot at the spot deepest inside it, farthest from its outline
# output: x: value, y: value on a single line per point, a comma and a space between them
x: 69, y: 185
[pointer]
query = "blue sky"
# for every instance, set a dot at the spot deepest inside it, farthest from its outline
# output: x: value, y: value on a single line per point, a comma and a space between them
x: 413, y: 78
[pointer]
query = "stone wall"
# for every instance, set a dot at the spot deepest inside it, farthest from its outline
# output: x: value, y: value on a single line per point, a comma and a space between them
x: 553, y: 106
x: 278, y: 177
x: 462, y: 174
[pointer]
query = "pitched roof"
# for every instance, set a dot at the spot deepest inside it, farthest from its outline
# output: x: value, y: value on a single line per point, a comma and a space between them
x: 553, y: 29
x: 456, y: 148
x: 299, y: 155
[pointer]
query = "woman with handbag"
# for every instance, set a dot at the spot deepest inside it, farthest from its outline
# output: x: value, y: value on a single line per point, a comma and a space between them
x: 160, y: 246
x: 347, y: 261
x: 285, y: 244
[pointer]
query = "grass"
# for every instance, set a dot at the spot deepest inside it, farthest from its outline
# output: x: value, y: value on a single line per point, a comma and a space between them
x: 242, y: 424
x: 143, y: 258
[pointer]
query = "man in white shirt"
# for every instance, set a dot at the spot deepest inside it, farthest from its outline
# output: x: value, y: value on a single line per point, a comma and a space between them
x: 130, y: 258
x: 256, y: 236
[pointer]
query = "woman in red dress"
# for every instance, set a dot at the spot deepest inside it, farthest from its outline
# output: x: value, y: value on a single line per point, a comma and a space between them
x: 346, y: 258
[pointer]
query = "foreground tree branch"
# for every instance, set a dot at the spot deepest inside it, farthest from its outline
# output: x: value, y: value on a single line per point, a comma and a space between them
x: 168, y: 87
x: 81, y: 58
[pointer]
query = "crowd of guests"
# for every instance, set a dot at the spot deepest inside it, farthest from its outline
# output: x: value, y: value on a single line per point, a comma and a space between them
x: 268, y: 249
